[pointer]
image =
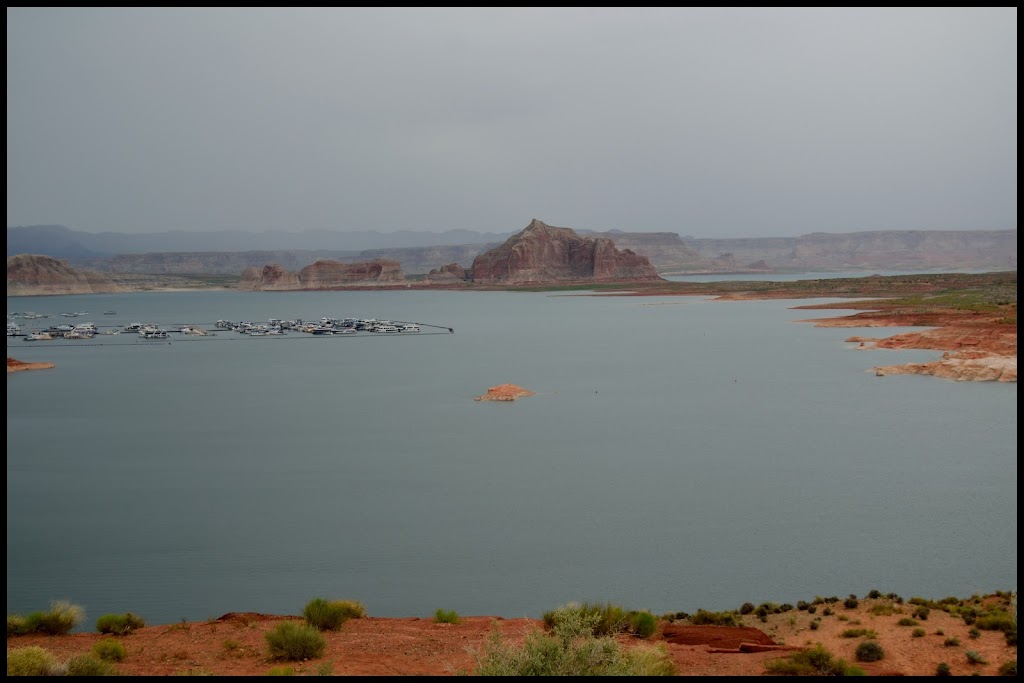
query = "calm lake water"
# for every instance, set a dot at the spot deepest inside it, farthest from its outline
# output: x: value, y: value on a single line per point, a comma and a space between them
x: 680, y: 453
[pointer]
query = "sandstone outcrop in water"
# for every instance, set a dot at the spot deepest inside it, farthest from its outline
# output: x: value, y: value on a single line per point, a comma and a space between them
x: 15, y: 365
x: 324, y: 274
x: 504, y: 392
x: 959, y: 367
x: 543, y: 254
x: 34, y: 274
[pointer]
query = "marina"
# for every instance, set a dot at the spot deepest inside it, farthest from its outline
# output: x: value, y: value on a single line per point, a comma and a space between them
x: 325, y: 326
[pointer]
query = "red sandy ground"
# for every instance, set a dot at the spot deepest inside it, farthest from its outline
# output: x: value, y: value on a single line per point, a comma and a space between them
x: 235, y: 645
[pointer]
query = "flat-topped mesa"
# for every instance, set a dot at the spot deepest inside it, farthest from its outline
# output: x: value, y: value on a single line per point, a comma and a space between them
x: 541, y: 253
x: 34, y: 274
x: 324, y: 274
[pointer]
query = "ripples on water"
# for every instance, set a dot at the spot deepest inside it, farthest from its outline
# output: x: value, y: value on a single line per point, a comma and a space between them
x: 679, y: 454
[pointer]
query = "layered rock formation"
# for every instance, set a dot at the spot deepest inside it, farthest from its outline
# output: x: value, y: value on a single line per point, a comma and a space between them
x: 543, y: 254
x: 33, y: 274
x: 324, y: 274
x: 960, y: 367
x: 453, y: 272
x: 505, y: 392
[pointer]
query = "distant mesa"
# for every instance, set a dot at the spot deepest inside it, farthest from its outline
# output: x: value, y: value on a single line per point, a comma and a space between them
x: 543, y: 254
x: 324, y: 274
x: 35, y: 274
x: 504, y: 392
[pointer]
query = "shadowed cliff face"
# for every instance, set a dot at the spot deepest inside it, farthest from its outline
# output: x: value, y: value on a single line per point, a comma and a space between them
x: 542, y: 253
x: 324, y: 274
x: 29, y: 274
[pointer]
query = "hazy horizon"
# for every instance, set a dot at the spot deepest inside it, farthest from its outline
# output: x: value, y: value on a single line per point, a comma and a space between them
x: 707, y: 122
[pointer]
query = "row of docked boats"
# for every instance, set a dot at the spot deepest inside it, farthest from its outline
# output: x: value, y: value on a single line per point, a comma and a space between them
x: 324, y: 326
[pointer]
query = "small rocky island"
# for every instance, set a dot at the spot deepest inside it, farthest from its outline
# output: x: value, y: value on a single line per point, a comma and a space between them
x: 504, y: 392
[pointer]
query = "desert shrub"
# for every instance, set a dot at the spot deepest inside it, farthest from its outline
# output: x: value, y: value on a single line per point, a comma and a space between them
x: 921, y: 612
x: 325, y: 615
x: 874, y: 594
x: 802, y: 605
x: 827, y: 611
x: 15, y: 625
x: 907, y: 621
x: 642, y: 623
x: 30, y: 661
x: 942, y: 669
x: 353, y: 609
x: 281, y: 671
x: 61, y: 618
x: 974, y: 657
x: 110, y: 650
x: 850, y: 602
x: 449, y: 616
x: 85, y: 665
x: 293, y: 641
x: 1011, y: 638
x: 746, y: 608
x: 869, y: 651
x: 703, y: 618
x: 1008, y: 668
x: 952, y: 641
x: 571, y: 649
x: 811, y: 609
x: 997, y: 621
x: 859, y: 633
x: 918, y: 633
x: 973, y: 633
x: 609, y: 619
x: 815, y: 625
x: 814, y: 661
x: 119, y: 624
x: 884, y: 609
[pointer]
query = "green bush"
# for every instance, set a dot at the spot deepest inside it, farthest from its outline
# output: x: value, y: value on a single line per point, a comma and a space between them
x: 851, y: 602
x: 997, y: 621
x: 814, y: 661
x: 326, y: 615
x: 85, y: 665
x: 119, y: 624
x: 907, y: 621
x: 1008, y: 668
x: 353, y: 609
x: 110, y: 650
x: 450, y: 616
x: 973, y: 633
x: 572, y: 649
x: 952, y: 641
x: 30, y: 661
x: 869, y: 651
x: 61, y: 618
x: 918, y: 633
x: 293, y: 641
x: 705, y: 618
x: 746, y: 608
x: 974, y: 657
x: 858, y: 633
x: 942, y: 669
x: 642, y: 624
x: 609, y: 619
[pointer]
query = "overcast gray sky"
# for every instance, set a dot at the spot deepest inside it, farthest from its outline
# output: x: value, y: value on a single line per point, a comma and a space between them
x: 714, y: 122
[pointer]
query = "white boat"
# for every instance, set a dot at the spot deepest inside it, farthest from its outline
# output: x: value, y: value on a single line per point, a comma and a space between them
x: 152, y: 333
x: 38, y: 336
x: 13, y: 329
x: 409, y: 328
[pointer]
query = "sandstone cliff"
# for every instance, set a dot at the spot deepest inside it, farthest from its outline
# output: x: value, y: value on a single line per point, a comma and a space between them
x: 541, y: 253
x: 32, y: 274
x: 960, y: 367
x: 324, y: 274
x: 453, y: 272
